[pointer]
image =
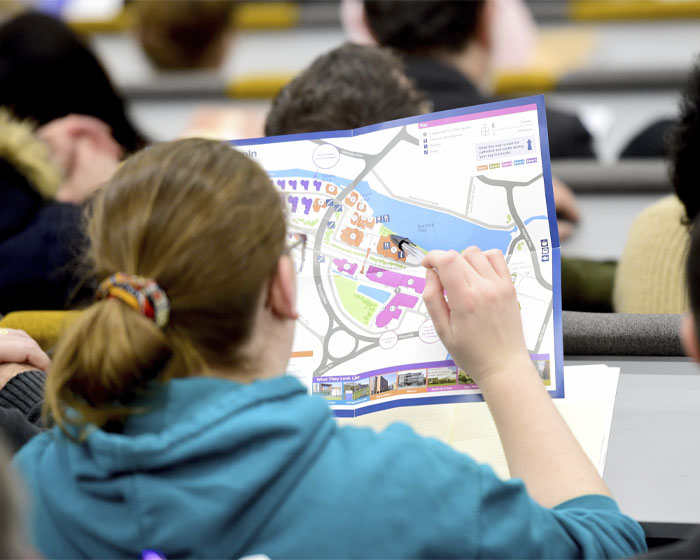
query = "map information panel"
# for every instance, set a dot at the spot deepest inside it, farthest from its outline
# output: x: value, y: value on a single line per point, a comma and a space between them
x: 372, y: 202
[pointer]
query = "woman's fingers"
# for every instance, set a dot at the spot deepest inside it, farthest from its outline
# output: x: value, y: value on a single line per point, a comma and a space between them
x: 18, y: 347
x: 480, y: 263
x: 498, y: 263
x: 434, y: 298
x: 451, y: 268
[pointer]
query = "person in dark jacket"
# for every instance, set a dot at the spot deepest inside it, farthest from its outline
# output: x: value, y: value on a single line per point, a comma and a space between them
x: 48, y: 72
x: 40, y: 239
x: 446, y: 47
x: 655, y: 140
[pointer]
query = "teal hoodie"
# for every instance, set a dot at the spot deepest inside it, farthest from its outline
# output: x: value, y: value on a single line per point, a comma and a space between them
x: 217, y: 469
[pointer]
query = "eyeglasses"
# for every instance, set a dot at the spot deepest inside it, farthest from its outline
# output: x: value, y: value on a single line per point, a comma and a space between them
x: 296, y: 248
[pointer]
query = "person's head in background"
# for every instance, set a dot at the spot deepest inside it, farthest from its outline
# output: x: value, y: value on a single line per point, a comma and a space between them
x: 685, y: 146
x: 690, y: 326
x: 205, y: 223
x: 184, y: 34
x: 349, y: 87
x: 684, y: 177
x: 457, y: 33
x: 48, y: 72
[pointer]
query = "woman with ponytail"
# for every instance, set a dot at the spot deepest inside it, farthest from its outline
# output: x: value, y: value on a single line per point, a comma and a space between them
x: 176, y: 430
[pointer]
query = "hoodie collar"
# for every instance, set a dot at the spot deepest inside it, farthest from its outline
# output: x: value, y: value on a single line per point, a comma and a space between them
x: 210, y: 404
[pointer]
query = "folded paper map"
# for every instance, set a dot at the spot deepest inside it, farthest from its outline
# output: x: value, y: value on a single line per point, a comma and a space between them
x: 372, y: 202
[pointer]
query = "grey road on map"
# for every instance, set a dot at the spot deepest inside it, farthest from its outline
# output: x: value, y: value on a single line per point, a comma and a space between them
x: 510, y: 186
x: 335, y: 324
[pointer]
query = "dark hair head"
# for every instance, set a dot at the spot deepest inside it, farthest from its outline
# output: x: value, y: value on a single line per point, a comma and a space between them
x: 422, y: 27
x: 693, y: 272
x: 204, y: 222
x: 685, y: 147
x: 349, y: 87
x: 47, y: 72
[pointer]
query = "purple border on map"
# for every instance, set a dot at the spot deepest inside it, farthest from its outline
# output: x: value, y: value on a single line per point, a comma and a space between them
x: 401, y: 367
x: 390, y: 369
x: 482, y: 115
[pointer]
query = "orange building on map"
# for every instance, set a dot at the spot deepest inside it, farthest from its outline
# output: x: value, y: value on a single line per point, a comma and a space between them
x: 362, y: 221
x: 386, y: 248
x: 352, y: 236
x: 351, y: 199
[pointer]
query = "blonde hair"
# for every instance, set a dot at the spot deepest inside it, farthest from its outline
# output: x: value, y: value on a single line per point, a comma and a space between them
x: 206, y: 224
x: 20, y: 146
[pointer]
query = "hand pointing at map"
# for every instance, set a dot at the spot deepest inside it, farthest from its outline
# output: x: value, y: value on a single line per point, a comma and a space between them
x: 472, y: 302
x: 478, y: 320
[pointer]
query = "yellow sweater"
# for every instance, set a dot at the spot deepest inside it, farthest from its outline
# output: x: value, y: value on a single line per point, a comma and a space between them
x: 650, y: 276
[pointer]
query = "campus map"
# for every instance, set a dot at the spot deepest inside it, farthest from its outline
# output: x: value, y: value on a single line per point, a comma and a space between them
x: 372, y: 202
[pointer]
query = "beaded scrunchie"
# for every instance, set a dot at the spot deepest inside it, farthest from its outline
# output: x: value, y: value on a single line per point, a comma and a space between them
x: 142, y: 294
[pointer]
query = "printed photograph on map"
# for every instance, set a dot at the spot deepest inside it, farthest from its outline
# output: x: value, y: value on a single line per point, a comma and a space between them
x: 382, y: 383
x: 357, y: 390
x: 332, y: 391
x: 412, y: 379
x: 372, y: 203
x: 464, y: 379
x: 442, y: 376
x: 543, y: 369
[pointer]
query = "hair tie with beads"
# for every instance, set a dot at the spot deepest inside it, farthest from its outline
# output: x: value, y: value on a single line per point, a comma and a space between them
x: 142, y: 294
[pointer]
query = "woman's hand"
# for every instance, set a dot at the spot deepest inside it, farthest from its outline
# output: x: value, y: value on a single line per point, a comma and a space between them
x: 83, y: 148
x: 472, y: 301
x: 474, y: 308
x: 19, y: 353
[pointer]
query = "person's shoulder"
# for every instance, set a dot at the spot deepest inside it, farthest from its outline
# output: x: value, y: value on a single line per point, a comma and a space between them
x: 61, y: 213
x: 650, y: 272
x: 16, y: 428
x: 667, y: 212
x: 29, y: 457
x: 652, y: 141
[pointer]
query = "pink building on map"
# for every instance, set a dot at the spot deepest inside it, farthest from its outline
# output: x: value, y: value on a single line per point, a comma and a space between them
x: 396, y: 279
x: 393, y: 309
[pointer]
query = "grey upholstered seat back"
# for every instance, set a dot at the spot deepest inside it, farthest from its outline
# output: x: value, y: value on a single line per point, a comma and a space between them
x: 621, y: 334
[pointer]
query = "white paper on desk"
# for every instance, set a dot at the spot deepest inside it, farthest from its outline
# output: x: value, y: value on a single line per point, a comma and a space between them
x: 587, y: 409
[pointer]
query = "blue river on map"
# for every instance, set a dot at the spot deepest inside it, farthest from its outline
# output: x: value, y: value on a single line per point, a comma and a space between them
x: 379, y: 295
x: 429, y: 229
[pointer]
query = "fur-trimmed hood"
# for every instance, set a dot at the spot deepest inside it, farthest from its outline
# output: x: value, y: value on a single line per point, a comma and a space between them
x: 40, y: 238
x: 20, y: 147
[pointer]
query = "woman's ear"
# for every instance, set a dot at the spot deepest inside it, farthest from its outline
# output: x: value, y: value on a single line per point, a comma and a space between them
x: 689, y: 337
x: 283, y: 297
